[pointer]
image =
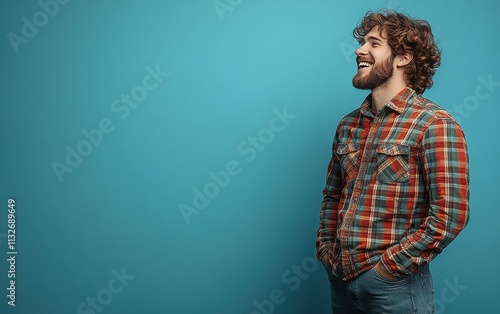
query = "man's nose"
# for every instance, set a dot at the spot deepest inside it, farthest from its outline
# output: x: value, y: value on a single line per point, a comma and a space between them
x: 361, y: 51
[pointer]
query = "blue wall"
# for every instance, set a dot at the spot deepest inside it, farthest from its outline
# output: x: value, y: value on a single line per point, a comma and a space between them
x: 117, y: 117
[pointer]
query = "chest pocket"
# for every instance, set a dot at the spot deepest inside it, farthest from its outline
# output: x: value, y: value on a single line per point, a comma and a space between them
x: 393, y: 163
x: 348, y: 155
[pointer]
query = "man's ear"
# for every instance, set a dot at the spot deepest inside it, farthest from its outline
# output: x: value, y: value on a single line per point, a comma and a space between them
x: 404, y: 59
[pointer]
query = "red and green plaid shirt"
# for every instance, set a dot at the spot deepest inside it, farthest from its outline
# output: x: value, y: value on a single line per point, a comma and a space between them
x: 397, y: 187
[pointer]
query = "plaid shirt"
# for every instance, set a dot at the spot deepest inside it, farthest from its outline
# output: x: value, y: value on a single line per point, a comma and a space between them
x: 396, y: 187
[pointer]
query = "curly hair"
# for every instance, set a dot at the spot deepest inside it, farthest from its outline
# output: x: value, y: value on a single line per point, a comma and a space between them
x: 406, y: 35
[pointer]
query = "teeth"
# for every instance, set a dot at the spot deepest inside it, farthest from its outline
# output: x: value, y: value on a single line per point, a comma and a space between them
x: 364, y: 64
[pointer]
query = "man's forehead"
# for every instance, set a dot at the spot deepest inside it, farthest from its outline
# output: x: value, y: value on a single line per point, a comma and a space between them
x: 375, y: 33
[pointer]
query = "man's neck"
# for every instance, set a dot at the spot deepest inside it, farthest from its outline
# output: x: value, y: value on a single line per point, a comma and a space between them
x: 382, y: 95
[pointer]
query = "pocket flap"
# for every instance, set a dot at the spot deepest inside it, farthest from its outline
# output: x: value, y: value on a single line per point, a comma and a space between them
x: 346, y: 148
x: 393, y: 149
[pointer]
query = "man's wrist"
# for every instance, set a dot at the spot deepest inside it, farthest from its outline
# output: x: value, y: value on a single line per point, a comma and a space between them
x: 382, y: 271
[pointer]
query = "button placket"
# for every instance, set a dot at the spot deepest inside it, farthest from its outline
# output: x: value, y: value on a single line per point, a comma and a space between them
x: 358, y: 187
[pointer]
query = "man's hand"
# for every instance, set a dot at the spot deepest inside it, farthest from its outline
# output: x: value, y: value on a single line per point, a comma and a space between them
x: 325, y: 260
x: 380, y: 269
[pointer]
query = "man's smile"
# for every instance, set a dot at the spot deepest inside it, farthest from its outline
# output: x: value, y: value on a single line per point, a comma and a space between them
x: 364, y: 64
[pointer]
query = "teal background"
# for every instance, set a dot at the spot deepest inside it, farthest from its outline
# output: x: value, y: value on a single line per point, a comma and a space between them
x: 119, y: 208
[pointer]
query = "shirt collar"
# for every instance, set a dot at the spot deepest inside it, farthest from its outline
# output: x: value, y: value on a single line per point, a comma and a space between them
x: 397, y: 103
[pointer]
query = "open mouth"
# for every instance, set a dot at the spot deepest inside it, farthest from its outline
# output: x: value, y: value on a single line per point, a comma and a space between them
x: 364, y: 64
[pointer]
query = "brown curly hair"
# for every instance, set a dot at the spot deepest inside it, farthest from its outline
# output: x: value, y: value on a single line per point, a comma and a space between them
x: 406, y: 35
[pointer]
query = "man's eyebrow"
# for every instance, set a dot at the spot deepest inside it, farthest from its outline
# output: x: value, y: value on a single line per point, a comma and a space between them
x: 372, y: 38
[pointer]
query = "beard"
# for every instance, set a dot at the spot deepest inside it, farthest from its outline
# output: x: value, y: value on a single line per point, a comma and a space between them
x: 378, y: 77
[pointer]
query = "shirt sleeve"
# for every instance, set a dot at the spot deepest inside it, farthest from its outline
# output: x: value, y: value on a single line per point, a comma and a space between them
x: 329, y: 207
x: 445, y: 167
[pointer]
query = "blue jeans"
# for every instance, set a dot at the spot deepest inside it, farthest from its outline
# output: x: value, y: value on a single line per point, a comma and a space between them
x: 370, y: 293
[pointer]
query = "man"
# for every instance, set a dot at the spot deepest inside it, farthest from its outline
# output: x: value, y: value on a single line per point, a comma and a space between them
x: 396, y: 190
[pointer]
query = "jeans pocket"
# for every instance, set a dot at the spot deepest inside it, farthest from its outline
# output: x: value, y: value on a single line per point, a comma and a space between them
x: 381, y: 278
x: 348, y: 154
x: 393, y: 163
